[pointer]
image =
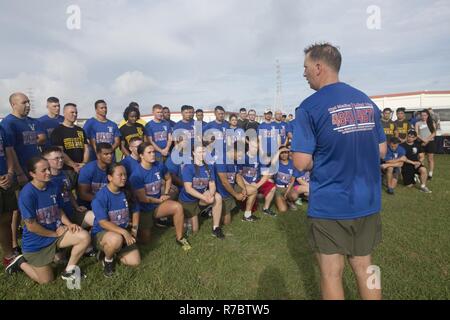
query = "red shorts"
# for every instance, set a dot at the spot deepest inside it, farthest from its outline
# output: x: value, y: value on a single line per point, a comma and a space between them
x: 264, y: 190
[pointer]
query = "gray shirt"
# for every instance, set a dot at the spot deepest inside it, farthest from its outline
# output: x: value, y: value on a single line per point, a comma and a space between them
x: 423, y: 132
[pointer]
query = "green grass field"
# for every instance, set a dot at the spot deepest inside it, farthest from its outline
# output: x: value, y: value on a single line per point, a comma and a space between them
x: 271, y: 259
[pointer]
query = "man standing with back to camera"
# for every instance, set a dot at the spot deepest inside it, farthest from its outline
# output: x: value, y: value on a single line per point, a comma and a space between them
x: 338, y: 136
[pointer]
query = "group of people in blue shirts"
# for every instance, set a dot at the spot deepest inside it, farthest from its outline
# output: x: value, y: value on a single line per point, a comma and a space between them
x: 76, y: 193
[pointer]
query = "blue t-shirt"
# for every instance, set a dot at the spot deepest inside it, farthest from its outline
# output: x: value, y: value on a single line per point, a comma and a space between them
x: 340, y: 127
x: 151, y: 181
x: 394, y: 154
x: 219, y: 132
x: 102, y: 132
x: 92, y: 175
x: 200, y: 180
x: 22, y: 134
x: 289, y: 127
x: 159, y: 131
x: 230, y: 170
x: 303, y: 175
x: 413, y: 121
x: 285, y: 173
x: 238, y: 135
x: 187, y: 130
x: 44, y: 207
x: 112, y: 207
x: 4, y: 143
x: 171, y: 167
x: 65, y: 188
x: 130, y: 165
x: 49, y: 124
x: 252, y: 169
x: 204, y: 124
x: 269, y: 133
x: 283, y: 129
x: 172, y: 123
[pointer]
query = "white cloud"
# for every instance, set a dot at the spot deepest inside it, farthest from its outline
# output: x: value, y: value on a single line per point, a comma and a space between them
x: 132, y: 82
x: 206, y: 52
x: 64, y: 67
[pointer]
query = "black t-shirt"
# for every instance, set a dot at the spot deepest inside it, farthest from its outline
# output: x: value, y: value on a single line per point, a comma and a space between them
x: 242, y: 123
x: 72, y: 140
x: 389, y: 128
x: 129, y: 132
x: 413, y: 150
x: 252, y: 125
x: 402, y: 128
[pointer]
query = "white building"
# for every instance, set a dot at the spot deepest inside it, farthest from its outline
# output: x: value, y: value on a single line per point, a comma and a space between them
x: 439, y: 101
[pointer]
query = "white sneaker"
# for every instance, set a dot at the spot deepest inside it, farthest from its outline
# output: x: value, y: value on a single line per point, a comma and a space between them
x: 292, y: 206
x: 425, y: 190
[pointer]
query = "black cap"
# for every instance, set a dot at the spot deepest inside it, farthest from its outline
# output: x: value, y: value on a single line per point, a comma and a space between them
x: 412, y: 132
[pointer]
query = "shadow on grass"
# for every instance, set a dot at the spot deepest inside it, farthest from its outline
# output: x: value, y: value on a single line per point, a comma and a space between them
x: 156, y: 234
x: 294, y: 224
x: 271, y: 285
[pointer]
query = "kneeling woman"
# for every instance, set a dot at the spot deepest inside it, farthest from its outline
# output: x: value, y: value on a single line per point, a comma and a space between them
x: 47, y: 228
x: 113, y: 210
x: 147, y: 182
x: 285, y: 180
x: 199, y: 192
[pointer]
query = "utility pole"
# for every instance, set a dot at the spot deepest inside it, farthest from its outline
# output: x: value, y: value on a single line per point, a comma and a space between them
x: 278, y: 105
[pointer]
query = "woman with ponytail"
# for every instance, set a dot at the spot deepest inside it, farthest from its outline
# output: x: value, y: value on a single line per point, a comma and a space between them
x: 426, y: 131
x: 199, y: 192
x: 147, y: 181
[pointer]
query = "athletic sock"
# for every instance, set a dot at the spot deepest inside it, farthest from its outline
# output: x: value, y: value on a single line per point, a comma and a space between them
x: 422, y: 186
x: 430, y: 174
x: 109, y: 260
x: 70, y: 268
x: 247, y: 214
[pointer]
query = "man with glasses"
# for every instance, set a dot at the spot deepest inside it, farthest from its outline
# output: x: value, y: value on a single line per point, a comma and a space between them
x: 130, y: 162
x: 252, y: 123
x: 76, y: 214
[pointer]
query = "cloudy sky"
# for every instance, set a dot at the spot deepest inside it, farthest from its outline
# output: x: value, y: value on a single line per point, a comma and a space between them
x: 211, y: 52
